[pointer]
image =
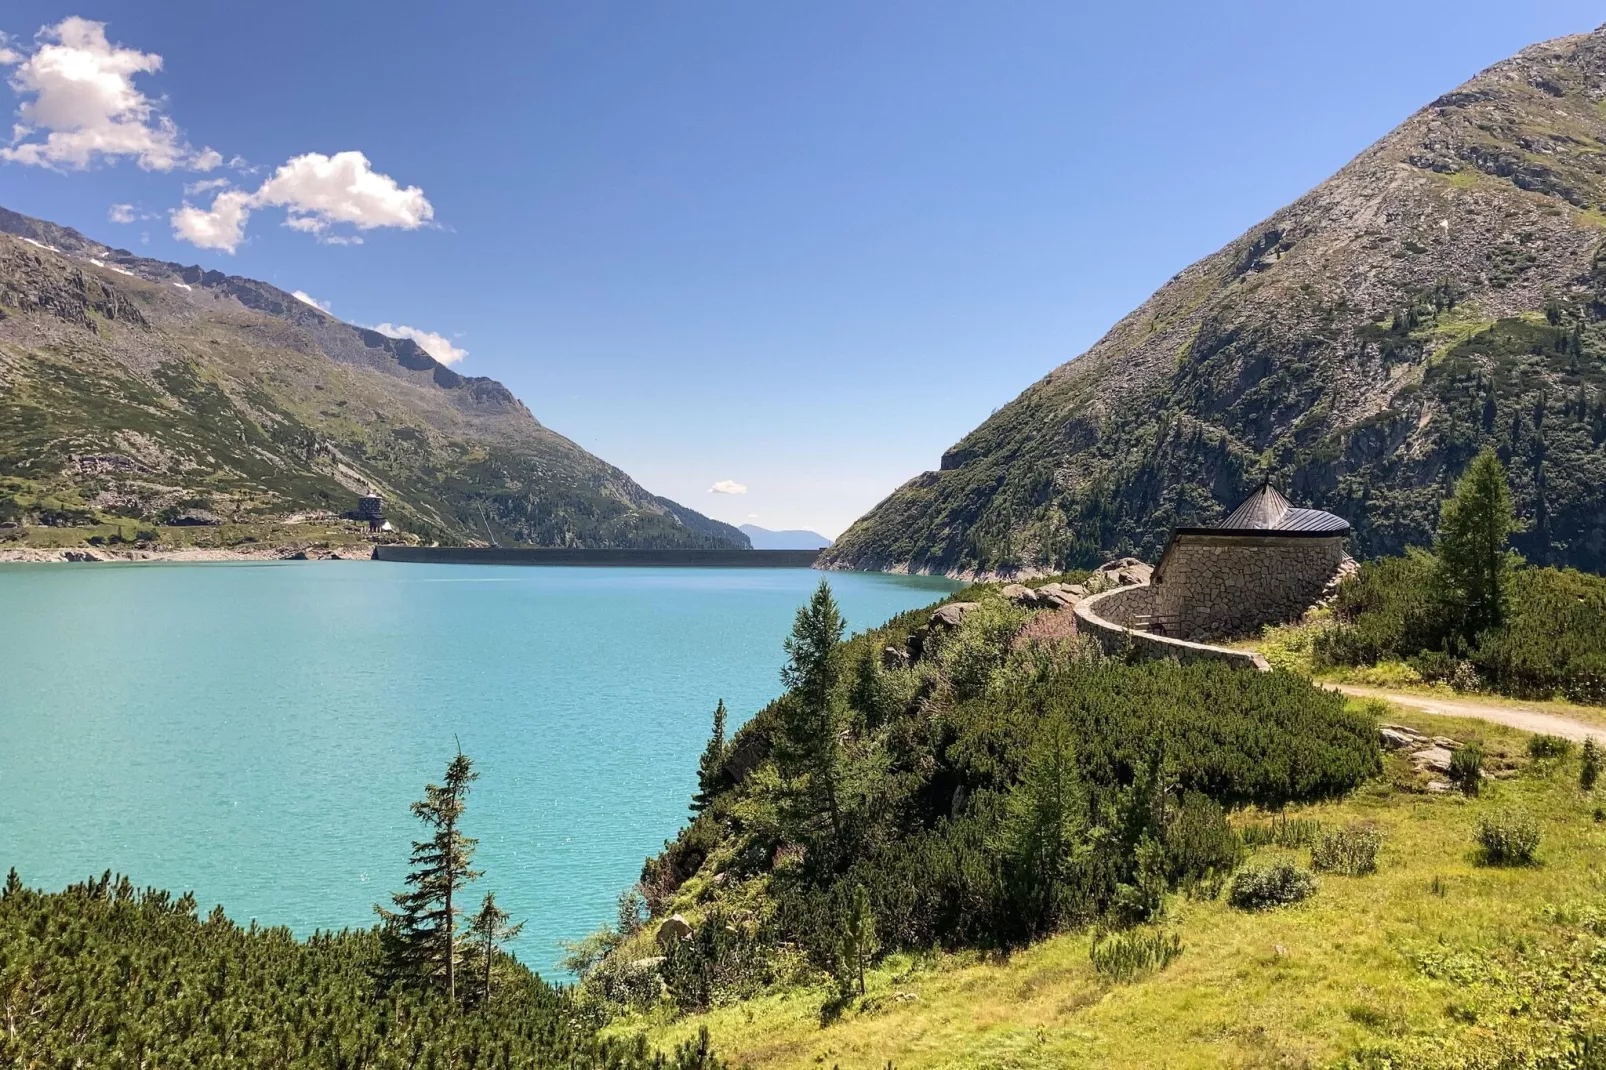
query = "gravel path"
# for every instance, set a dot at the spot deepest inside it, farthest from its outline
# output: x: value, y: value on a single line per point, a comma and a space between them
x: 1523, y: 717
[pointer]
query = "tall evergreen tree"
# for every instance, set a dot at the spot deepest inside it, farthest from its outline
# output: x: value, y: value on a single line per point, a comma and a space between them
x: 1043, y: 826
x: 1473, y: 576
x: 809, y: 748
x: 712, y: 763
x: 488, y: 930
x: 859, y: 941
x: 421, y: 933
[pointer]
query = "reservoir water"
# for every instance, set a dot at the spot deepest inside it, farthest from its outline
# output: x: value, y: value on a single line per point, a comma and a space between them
x: 255, y: 733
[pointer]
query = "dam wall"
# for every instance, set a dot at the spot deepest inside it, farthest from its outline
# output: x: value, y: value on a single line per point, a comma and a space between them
x: 538, y: 555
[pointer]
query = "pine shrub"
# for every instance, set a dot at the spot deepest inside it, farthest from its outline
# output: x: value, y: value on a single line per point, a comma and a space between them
x: 1466, y: 768
x: 1543, y: 748
x: 1589, y: 766
x: 1125, y: 956
x: 1350, y: 851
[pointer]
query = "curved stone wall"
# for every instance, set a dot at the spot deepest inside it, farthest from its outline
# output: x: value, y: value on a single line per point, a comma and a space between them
x: 1116, y: 618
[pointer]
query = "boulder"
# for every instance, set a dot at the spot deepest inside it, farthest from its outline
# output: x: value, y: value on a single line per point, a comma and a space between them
x: 1060, y: 595
x: 1394, y: 737
x: 894, y: 657
x: 1020, y: 594
x: 674, y: 929
x: 1434, y: 758
x: 951, y: 615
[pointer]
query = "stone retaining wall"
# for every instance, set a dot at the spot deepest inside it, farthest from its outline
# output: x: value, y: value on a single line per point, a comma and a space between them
x: 1115, y: 617
x: 1209, y: 586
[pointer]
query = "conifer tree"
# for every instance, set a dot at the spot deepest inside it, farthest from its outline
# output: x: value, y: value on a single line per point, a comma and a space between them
x: 809, y: 748
x: 1043, y: 824
x: 859, y: 941
x: 421, y: 933
x: 712, y: 763
x: 488, y: 930
x: 1473, y: 576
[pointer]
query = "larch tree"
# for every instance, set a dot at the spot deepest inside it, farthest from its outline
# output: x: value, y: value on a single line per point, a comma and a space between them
x: 1473, y: 576
x: 710, y: 767
x: 420, y: 934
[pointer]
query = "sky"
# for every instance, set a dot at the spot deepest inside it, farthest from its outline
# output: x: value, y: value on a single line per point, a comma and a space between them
x: 770, y: 259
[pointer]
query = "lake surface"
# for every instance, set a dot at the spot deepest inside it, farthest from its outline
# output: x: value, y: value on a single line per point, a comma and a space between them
x: 255, y: 733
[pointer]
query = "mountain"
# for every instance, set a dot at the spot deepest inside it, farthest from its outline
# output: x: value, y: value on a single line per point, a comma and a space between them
x: 1445, y: 290
x: 138, y: 388
x: 792, y: 539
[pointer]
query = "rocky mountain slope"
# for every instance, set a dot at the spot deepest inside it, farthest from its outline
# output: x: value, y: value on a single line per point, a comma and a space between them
x: 132, y: 387
x: 1445, y: 290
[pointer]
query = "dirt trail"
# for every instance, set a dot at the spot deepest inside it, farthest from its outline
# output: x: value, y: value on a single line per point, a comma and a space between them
x: 1523, y: 717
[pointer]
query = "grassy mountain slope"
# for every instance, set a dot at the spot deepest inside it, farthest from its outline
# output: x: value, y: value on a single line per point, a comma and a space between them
x: 1445, y: 290
x: 131, y: 387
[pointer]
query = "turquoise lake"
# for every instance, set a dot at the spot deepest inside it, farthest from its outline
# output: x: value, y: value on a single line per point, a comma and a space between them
x: 255, y: 733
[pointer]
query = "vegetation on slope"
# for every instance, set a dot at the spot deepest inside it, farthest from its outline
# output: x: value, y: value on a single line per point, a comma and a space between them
x: 1444, y: 292
x: 1436, y: 960
x: 1468, y: 614
x: 103, y: 974
x: 991, y: 793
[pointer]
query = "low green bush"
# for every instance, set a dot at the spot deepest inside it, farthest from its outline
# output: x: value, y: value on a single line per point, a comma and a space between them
x: 1508, y: 838
x: 1466, y: 768
x: 1124, y: 956
x: 1544, y: 748
x: 1350, y: 851
x: 1589, y: 765
x: 1262, y: 887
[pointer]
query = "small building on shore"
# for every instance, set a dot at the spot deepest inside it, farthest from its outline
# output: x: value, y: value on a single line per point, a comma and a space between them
x: 371, y: 507
x: 1266, y: 563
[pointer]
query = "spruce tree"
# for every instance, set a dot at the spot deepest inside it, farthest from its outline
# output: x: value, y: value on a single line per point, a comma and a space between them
x: 1043, y: 825
x: 1473, y: 577
x: 808, y: 752
x: 488, y: 930
x: 420, y: 935
x: 710, y: 767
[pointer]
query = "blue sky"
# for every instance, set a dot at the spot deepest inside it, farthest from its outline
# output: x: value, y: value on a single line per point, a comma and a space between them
x: 799, y: 248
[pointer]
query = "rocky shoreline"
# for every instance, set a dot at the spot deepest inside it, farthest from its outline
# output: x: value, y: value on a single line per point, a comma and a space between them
x: 81, y: 554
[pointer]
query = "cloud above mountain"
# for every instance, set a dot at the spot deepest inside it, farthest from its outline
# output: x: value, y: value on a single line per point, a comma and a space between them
x: 728, y: 486
x: 79, y: 105
x: 436, y: 345
x: 307, y: 299
x: 318, y: 192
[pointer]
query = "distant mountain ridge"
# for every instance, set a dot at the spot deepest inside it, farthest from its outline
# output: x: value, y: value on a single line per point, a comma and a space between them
x: 138, y: 387
x: 789, y: 539
x: 1444, y: 291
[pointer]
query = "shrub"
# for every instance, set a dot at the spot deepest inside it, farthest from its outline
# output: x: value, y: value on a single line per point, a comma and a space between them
x: 1351, y: 851
x: 1124, y: 956
x: 1281, y: 831
x: 1201, y: 848
x: 1589, y: 766
x: 1509, y: 838
x: 1261, y: 887
x: 1543, y: 748
x: 1466, y: 768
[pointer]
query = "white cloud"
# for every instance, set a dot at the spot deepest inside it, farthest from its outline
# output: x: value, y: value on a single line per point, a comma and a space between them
x: 121, y: 213
x: 728, y: 486
x: 320, y: 190
x: 436, y: 345
x: 205, y: 185
x: 302, y: 295
x: 80, y: 105
x: 317, y: 192
x: 220, y: 227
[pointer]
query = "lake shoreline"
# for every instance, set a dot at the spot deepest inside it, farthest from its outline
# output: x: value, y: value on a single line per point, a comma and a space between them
x: 102, y: 555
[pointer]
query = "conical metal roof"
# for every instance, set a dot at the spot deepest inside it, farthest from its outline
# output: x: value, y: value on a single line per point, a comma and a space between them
x: 1268, y: 511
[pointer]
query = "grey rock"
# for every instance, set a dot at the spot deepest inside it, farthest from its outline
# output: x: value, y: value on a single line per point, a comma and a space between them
x: 1434, y: 758
x: 674, y: 929
x: 1394, y: 739
x: 951, y: 615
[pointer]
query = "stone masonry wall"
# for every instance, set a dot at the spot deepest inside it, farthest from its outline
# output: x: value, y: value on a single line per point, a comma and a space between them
x: 1114, y: 618
x: 1215, y: 586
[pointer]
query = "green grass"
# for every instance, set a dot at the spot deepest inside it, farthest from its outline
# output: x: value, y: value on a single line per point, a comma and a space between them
x: 1424, y: 958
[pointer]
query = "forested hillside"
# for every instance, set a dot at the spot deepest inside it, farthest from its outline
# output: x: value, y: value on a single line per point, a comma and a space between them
x: 1443, y: 292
